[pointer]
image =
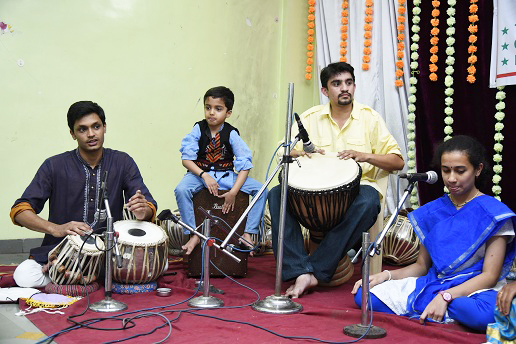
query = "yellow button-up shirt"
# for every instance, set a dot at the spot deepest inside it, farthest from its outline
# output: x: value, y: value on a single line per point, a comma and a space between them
x: 364, y: 131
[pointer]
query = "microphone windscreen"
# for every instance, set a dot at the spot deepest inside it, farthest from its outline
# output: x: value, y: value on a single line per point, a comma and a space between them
x: 432, y: 177
x: 165, y: 215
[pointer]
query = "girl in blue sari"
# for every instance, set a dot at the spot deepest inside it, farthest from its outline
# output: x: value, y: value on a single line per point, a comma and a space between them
x: 465, y: 253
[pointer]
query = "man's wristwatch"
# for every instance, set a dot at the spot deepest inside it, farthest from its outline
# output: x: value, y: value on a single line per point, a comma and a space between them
x: 446, y: 296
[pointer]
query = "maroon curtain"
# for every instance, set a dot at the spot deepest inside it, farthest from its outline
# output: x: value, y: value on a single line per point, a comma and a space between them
x: 474, y: 104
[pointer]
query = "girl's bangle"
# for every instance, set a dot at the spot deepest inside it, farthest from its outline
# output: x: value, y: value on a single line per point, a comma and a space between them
x: 389, y: 273
x: 200, y: 174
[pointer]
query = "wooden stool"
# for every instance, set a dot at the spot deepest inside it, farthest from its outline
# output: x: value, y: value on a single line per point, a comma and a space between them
x: 225, y: 263
x: 344, y: 269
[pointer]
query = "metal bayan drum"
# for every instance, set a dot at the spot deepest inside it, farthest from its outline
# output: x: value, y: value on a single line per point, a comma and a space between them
x: 401, y: 244
x: 176, y: 235
x: 321, y: 189
x: 144, y: 249
x: 67, y: 266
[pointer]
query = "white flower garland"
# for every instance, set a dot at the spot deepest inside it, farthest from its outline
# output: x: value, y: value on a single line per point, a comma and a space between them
x: 411, y: 127
x: 498, y: 147
x: 450, y: 61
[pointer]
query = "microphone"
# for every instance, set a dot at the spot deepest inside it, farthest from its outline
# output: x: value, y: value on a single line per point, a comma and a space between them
x: 429, y: 177
x: 118, y: 256
x: 308, y: 146
x: 103, y: 189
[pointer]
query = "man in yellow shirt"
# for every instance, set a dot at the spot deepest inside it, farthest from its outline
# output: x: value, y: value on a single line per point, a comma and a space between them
x: 353, y: 131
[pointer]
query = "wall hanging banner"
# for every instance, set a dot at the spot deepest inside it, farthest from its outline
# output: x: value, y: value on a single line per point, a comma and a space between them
x: 503, y: 49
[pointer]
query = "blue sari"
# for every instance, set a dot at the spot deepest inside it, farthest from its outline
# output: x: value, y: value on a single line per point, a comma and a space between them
x: 451, y: 237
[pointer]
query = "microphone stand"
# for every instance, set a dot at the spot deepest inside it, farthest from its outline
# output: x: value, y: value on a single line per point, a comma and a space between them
x: 200, y: 235
x: 376, y: 249
x: 364, y: 329
x: 206, y: 301
x: 277, y: 303
x: 108, y: 304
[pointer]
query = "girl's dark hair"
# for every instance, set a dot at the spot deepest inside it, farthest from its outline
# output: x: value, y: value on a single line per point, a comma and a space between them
x: 475, y: 152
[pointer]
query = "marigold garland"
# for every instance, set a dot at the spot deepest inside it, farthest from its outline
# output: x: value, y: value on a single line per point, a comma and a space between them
x: 368, y: 27
x: 434, y: 40
x: 401, y: 45
x: 310, y: 39
x: 344, y: 31
x: 472, y: 39
x: 411, y: 126
x: 498, y: 147
x: 450, y: 61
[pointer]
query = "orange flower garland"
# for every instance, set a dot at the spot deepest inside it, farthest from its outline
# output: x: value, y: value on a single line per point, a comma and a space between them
x: 310, y: 39
x: 401, y: 45
x: 368, y: 27
x: 434, y: 40
x: 344, y: 31
x: 473, y: 29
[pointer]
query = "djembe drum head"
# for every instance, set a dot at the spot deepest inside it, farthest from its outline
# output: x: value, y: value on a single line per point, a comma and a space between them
x: 321, y: 189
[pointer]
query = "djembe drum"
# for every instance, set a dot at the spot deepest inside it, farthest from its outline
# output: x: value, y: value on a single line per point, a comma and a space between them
x: 401, y: 244
x: 144, y: 250
x: 320, y: 190
x: 76, y: 257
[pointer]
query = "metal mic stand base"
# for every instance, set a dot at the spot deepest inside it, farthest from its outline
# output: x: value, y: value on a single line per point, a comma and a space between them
x: 358, y: 330
x: 363, y: 329
x: 277, y: 305
x: 205, y: 302
x: 108, y: 305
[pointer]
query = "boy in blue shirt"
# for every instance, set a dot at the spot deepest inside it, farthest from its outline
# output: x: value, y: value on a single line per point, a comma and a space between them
x: 211, y: 152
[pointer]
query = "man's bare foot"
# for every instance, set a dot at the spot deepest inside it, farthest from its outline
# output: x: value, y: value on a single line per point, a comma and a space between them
x: 303, y: 283
x: 190, y: 245
x: 248, y: 241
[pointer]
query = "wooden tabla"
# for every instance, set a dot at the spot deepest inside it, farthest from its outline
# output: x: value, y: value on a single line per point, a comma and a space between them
x: 321, y: 189
x: 144, y: 249
x: 67, y: 265
x: 401, y: 244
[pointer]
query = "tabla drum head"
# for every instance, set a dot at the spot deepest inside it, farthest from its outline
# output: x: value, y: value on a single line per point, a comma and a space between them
x: 139, y: 232
x: 92, y: 243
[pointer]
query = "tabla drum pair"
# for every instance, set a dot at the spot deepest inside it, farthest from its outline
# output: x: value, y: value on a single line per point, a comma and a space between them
x: 143, y: 246
x: 320, y: 190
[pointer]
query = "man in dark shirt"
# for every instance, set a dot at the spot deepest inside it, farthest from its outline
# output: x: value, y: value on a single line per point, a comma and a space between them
x: 71, y: 181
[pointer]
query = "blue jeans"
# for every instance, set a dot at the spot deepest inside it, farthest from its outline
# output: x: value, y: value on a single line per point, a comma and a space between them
x: 322, y: 263
x: 475, y: 311
x: 191, y: 184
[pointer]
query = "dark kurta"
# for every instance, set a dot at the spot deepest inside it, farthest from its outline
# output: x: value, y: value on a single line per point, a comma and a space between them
x: 73, y: 190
